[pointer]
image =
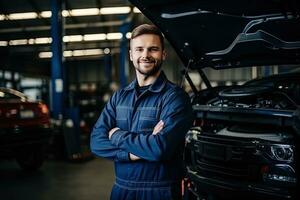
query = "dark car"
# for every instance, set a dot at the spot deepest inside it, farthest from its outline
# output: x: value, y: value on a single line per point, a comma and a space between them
x: 245, y: 140
x: 24, y: 129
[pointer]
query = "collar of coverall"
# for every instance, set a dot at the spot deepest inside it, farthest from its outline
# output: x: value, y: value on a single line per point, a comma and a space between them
x: 157, y: 86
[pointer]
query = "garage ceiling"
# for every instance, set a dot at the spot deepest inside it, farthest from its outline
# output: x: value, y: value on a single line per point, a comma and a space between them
x: 24, y: 39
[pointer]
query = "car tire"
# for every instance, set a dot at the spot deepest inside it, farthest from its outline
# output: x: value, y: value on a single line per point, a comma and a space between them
x: 31, y: 159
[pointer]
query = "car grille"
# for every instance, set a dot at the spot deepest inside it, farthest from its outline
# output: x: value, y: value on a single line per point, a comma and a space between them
x: 225, y: 158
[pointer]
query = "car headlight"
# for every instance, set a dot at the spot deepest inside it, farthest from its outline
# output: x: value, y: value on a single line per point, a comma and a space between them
x: 279, y: 174
x: 282, y: 152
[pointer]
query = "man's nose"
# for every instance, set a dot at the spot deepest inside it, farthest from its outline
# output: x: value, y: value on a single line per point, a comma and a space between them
x: 145, y: 53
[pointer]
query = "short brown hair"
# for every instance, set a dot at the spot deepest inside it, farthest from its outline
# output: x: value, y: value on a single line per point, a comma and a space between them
x: 148, y: 29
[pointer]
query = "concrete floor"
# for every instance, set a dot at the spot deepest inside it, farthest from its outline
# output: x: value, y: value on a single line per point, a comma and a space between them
x: 57, y: 180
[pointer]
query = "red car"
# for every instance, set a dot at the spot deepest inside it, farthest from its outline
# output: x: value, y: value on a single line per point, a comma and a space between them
x: 24, y: 129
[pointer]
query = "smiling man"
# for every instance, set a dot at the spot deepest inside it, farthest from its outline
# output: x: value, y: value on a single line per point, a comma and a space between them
x: 142, y: 128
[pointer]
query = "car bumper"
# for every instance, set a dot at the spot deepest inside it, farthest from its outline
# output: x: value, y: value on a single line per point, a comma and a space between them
x: 235, y: 190
x: 18, y: 137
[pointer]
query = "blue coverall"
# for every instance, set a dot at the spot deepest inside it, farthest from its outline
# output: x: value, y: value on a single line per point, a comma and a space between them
x: 159, y: 172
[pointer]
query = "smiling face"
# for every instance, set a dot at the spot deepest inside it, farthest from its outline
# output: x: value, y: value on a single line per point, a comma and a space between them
x: 147, y: 54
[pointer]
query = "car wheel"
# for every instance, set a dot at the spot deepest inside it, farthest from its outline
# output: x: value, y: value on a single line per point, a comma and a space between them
x: 31, y: 159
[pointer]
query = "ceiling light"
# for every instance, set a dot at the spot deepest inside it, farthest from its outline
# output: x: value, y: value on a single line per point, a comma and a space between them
x: 45, y: 40
x: 2, y: 17
x: 115, y: 10
x: 128, y: 35
x: 92, y: 37
x: 68, y: 53
x: 114, y: 36
x: 91, y: 52
x: 87, y: 52
x: 78, y: 53
x: 85, y: 12
x: 18, y: 42
x: 136, y: 10
x: 65, y: 13
x: 72, y: 38
x: 45, y: 54
x: 68, y: 13
x: 28, y: 15
x: 46, y: 14
x: 31, y: 41
x: 3, y: 43
x: 106, y: 50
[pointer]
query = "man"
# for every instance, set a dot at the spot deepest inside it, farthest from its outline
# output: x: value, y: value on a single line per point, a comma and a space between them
x: 143, y: 126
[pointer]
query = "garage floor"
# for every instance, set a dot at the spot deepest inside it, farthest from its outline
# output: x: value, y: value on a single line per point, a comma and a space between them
x: 59, y: 180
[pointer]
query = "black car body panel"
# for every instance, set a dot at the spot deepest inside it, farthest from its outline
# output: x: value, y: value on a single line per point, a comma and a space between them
x: 226, y: 34
x: 21, y: 138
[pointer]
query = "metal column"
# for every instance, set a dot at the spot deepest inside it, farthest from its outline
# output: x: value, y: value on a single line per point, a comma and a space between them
x: 123, y: 55
x: 57, y: 84
x: 108, y: 68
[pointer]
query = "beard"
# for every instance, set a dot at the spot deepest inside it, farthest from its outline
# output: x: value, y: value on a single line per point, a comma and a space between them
x: 152, y: 71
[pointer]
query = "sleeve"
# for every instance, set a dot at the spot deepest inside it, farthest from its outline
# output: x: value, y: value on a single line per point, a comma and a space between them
x: 177, y: 116
x: 100, y: 144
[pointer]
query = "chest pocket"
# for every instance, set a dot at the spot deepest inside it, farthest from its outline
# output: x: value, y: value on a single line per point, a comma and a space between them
x: 148, y: 119
x: 122, y: 116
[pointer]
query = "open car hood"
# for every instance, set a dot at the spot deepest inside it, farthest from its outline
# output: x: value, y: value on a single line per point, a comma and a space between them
x: 226, y: 34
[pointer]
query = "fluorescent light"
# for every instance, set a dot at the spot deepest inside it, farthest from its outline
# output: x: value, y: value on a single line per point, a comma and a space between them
x: 72, y: 38
x: 68, y: 13
x: 18, y: 42
x: 68, y: 53
x: 92, y: 37
x: 87, y: 52
x: 78, y: 53
x: 85, y: 12
x: 31, y: 41
x: 114, y: 36
x: 75, y: 53
x: 106, y: 50
x: 45, y: 54
x: 90, y: 52
x: 2, y: 17
x: 136, y: 10
x: 65, y: 13
x: 128, y: 35
x: 44, y: 40
x: 67, y: 38
x: 27, y: 15
x: 3, y: 43
x: 46, y: 14
x: 115, y: 10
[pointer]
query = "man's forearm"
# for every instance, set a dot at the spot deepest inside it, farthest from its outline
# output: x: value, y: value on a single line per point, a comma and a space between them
x: 158, y: 127
x: 132, y: 157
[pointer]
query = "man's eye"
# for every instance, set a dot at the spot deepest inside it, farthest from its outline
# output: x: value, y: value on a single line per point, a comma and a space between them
x: 139, y: 50
x: 154, y: 49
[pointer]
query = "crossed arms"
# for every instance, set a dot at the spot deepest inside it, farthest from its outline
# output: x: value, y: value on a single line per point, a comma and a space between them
x: 158, y: 127
x: 122, y: 145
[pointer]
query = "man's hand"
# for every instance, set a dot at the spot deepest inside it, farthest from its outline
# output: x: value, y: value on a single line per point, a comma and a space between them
x: 112, y: 131
x: 158, y: 127
x: 133, y: 157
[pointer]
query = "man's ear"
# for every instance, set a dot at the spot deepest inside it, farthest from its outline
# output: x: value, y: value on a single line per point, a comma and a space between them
x: 130, y: 55
x: 164, y: 55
